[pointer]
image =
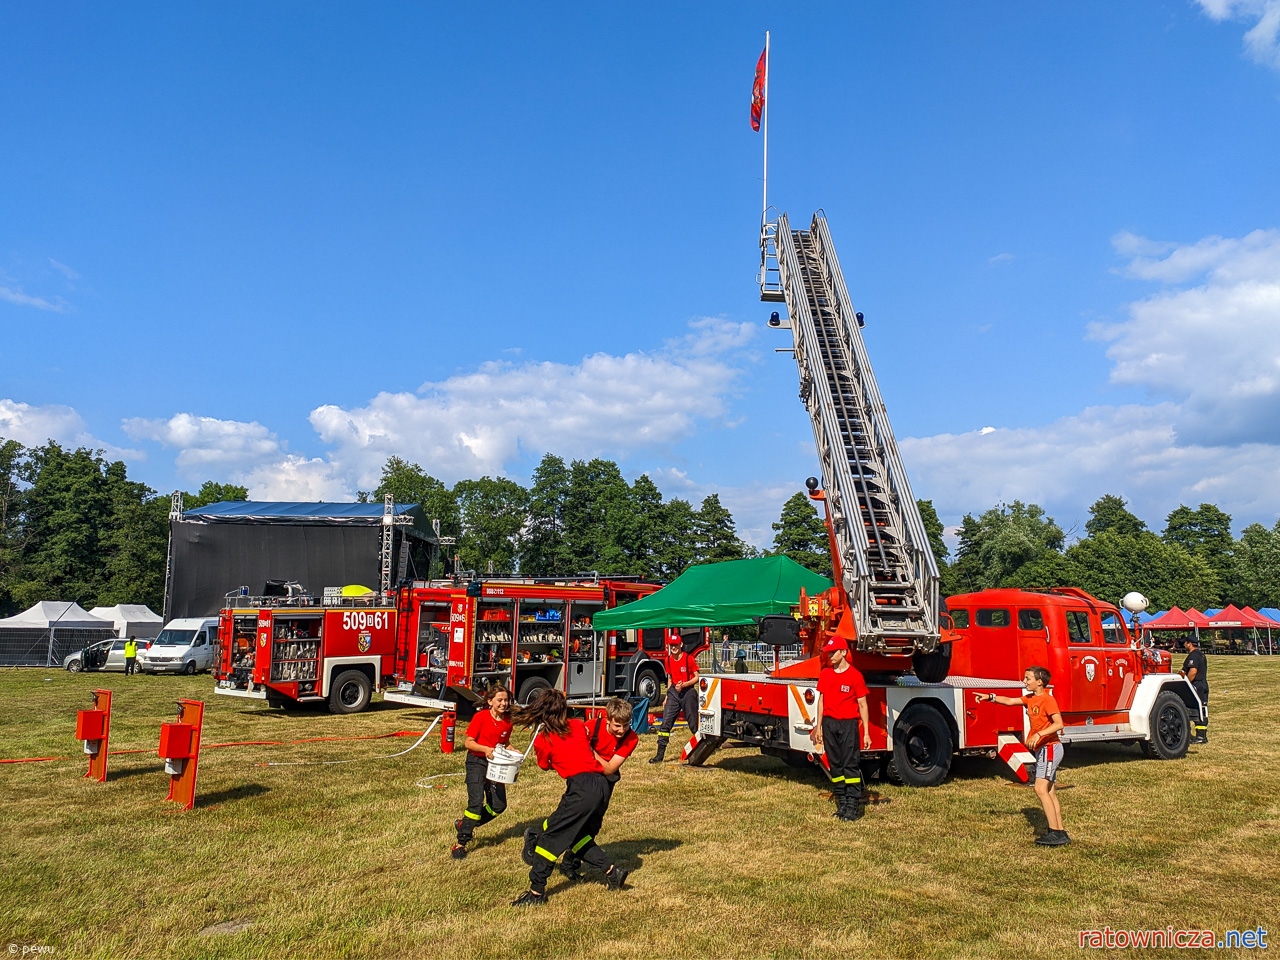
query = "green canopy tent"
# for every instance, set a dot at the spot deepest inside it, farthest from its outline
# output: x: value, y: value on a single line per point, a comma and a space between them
x: 718, y: 595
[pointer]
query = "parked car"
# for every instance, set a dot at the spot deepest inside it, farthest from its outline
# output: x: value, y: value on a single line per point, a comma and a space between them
x: 103, y: 655
x: 184, y: 646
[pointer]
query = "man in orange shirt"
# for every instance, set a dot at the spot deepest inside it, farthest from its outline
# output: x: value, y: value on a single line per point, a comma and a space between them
x: 1044, y: 720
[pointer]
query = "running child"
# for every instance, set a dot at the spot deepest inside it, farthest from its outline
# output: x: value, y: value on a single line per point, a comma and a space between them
x: 489, y: 728
x: 612, y: 740
x: 1044, y: 719
x: 562, y: 745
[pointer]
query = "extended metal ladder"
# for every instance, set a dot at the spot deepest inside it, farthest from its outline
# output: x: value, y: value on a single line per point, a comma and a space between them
x: 886, y: 566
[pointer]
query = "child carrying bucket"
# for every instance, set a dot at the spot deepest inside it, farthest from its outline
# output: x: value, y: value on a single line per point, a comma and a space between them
x: 564, y: 745
x: 488, y: 729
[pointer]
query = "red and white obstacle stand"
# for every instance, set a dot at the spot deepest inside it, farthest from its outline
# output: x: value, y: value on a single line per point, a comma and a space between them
x: 94, y: 728
x: 180, y: 750
x: 1013, y: 752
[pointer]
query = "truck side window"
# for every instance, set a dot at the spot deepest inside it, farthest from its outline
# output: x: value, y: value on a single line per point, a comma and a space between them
x: 960, y: 618
x: 993, y: 618
x: 1030, y: 620
x: 653, y: 638
x: 1112, y: 632
x: 1078, y: 627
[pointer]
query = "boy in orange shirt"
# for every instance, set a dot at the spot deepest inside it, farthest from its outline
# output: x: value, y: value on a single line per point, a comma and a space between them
x: 1044, y: 719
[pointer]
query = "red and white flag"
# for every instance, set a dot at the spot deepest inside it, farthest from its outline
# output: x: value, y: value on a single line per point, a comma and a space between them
x: 757, y: 90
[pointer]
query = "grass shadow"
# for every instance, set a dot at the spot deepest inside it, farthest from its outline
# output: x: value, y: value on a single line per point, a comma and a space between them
x: 150, y: 769
x: 242, y: 792
x: 1035, y: 818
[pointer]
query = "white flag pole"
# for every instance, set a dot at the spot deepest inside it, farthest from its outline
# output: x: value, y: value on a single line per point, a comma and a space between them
x: 764, y: 202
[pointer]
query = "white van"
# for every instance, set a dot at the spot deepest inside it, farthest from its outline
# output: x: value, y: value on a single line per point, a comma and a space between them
x: 184, y: 646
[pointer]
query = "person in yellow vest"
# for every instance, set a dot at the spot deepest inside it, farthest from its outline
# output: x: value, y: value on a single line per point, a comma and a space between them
x: 130, y: 656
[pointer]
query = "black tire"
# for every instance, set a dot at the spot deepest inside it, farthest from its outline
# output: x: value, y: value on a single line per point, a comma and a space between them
x: 350, y: 692
x: 75, y: 666
x: 932, y: 667
x: 531, y: 689
x: 1170, y: 727
x: 648, y: 684
x: 921, y: 748
x: 190, y: 668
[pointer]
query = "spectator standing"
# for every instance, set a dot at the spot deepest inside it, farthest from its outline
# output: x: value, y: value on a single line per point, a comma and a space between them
x: 1196, y: 669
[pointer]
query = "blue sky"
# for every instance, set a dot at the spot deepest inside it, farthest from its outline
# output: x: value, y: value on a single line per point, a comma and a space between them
x: 275, y: 246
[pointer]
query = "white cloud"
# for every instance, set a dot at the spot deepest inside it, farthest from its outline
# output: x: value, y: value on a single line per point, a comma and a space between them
x: 1214, y: 347
x: 33, y: 425
x: 604, y: 405
x: 63, y: 269
x: 206, y: 443
x: 1262, y: 40
x: 297, y: 478
x: 16, y: 296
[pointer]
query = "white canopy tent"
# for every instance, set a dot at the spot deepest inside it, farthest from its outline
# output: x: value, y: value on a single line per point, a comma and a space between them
x: 131, y: 620
x: 45, y: 632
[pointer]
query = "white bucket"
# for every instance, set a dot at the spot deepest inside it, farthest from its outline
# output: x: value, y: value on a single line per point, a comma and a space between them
x: 504, y: 767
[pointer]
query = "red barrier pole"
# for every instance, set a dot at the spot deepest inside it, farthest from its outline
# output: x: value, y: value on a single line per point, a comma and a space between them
x: 94, y: 728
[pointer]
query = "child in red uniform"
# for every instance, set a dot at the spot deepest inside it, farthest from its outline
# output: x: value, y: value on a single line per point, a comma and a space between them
x: 612, y: 740
x: 1044, y: 719
x: 563, y: 745
x: 682, y: 694
x: 842, y: 702
x: 485, y: 799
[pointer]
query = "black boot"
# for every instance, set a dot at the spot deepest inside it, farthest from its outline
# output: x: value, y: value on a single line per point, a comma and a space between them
x: 840, y: 792
x: 662, y: 750
x: 852, y: 808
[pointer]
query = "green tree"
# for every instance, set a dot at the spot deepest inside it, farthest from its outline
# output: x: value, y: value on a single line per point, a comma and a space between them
x: 1111, y: 564
x: 211, y: 492
x: 644, y: 541
x: 1255, y: 568
x: 12, y: 462
x: 802, y: 535
x: 494, y: 513
x: 717, y: 535
x: 677, y: 539
x: 409, y: 483
x: 1206, y: 533
x: 934, y: 529
x: 135, y: 542
x: 994, y: 547
x: 542, y: 551
x: 597, y: 518
x: 1109, y: 512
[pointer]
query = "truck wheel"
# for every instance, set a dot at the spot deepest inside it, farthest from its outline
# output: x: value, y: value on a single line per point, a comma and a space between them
x: 75, y: 666
x: 648, y: 684
x: 350, y: 692
x: 1170, y: 728
x: 921, y: 748
x: 932, y: 667
x: 531, y: 689
x: 190, y: 668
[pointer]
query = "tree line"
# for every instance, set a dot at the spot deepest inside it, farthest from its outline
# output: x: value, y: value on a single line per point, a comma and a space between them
x: 73, y: 526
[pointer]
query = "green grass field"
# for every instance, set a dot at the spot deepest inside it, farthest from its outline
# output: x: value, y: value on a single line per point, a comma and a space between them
x: 738, y: 859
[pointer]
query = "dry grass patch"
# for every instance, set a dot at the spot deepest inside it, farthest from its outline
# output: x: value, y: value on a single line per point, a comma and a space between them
x: 739, y: 859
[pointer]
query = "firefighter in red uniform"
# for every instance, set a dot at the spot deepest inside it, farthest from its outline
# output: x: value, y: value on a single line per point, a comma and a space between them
x: 842, y: 703
x: 682, y: 694
x: 485, y: 799
x: 612, y: 740
x: 563, y: 745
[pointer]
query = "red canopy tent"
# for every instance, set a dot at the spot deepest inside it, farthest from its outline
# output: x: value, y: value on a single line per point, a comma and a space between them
x: 1176, y: 619
x: 1233, y: 616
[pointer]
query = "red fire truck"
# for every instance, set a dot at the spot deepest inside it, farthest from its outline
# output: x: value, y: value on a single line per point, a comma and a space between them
x: 440, y: 643
x: 924, y: 665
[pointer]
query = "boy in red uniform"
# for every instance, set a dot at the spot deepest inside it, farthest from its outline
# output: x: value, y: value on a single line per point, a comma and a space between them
x: 485, y: 799
x: 1044, y: 719
x: 842, y: 703
x: 682, y: 694
x: 613, y: 741
x: 563, y: 745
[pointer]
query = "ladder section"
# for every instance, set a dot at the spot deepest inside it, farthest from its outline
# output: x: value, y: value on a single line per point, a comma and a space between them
x: 886, y: 565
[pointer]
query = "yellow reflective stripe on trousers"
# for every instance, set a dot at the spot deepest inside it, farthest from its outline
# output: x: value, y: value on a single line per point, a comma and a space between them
x: 837, y: 779
x: 546, y: 853
x: 470, y: 816
x: 661, y: 734
x: 581, y: 843
x: 492, y: 812
x: 853, y: 780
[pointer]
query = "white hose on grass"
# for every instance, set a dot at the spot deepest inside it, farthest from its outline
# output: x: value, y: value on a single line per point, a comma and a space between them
x: 390, y: 756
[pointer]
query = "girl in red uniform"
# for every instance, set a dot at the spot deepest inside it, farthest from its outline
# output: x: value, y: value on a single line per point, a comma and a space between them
x: 612, y: 740
x: 563, y: 745
x: 485, y: 799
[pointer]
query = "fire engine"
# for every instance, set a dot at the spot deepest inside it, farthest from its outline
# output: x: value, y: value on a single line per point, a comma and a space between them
x: 925, y: 665
x: 439, y: 644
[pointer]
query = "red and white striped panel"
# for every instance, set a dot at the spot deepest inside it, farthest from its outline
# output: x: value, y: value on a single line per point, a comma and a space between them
x: 693, y: 742
x: 1015, y: 755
